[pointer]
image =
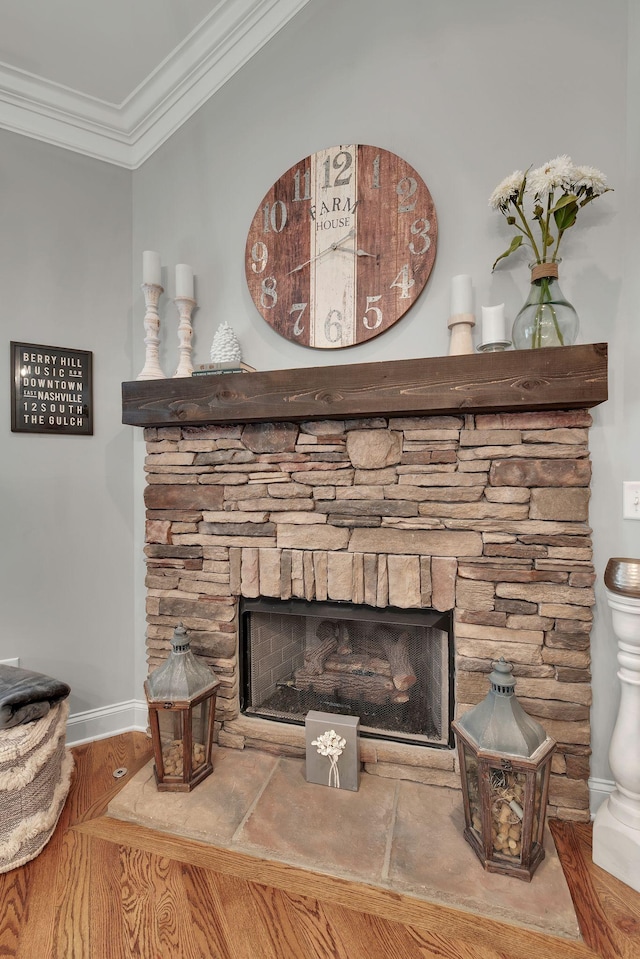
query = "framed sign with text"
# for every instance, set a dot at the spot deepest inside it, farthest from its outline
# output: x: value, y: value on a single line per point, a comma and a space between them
x: 51, y: 389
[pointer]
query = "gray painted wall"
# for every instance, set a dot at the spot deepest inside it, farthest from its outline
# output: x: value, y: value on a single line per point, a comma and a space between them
x: 66, y: 502
x: 466, y: 92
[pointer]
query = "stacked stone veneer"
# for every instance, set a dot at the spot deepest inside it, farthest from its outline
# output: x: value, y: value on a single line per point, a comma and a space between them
x: 482, y: 514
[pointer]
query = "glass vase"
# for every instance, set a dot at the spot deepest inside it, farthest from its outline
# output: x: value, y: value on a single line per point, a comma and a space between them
x: 547, y: 318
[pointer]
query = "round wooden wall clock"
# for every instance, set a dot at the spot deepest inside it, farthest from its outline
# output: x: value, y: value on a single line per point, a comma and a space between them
x: 341, y: 246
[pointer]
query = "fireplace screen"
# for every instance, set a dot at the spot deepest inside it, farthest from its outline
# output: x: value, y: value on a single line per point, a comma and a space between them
x: 390, y: 667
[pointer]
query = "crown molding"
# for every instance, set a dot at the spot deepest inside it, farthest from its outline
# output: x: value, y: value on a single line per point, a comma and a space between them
x: 128, y: 133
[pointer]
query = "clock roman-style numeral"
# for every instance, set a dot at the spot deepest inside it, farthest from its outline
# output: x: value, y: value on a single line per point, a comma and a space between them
x: 376, y: 173
x: 375, y: 310
x: 404, y: 281
x: 269, y: 292
x: 259, y: 257
x: 420, y: 228
x: 307, y: 186
x: 405, y: 190
x: 275, y: 216
x: 341, y: 165
x: 333, y: 326
x: 298, y: 308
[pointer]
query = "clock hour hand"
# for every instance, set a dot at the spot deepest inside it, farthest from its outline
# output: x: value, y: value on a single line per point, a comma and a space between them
x: 360, y: 253
x: 334, y: 246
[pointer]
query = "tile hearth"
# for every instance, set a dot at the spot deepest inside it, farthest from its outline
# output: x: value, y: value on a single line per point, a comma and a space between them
x: 399, y: 836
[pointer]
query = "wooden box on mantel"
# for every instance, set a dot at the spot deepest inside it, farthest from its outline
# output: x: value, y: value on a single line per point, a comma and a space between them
x: 566, y: 377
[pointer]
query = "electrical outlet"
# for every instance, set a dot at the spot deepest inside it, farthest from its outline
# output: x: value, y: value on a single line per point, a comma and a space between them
x: 10, y: 662
x: 631, y: 500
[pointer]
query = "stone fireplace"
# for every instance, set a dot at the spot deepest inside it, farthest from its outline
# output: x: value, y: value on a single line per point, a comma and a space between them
x: 479, y: 515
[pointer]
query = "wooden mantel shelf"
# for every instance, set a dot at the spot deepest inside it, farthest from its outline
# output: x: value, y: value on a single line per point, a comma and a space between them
x: 570, y: 377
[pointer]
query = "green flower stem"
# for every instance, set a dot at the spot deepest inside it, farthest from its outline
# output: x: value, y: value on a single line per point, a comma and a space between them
x: 527, y: 230
x: 549, y: 205
x: 544, y: 302
x: 555, y: 252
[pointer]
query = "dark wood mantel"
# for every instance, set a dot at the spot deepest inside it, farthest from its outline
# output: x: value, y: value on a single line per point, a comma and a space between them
x: 571, y: 377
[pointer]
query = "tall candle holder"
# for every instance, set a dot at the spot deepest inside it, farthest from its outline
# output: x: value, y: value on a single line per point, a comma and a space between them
x: 462, y: 319
x: 461, y: 341
x: 185, y: 306
x: 151, y: 369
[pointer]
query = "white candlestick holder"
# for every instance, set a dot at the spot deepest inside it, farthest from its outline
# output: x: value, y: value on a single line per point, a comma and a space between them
x: 151, y: 369
x: 461, y: 341
x: 185, y: 308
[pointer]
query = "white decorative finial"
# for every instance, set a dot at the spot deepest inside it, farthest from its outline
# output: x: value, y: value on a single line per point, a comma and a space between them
x: 225, y: 347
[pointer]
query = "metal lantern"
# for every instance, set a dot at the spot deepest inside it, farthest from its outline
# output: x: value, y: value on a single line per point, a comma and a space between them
x: 181, y: 695
x: 505, y: 761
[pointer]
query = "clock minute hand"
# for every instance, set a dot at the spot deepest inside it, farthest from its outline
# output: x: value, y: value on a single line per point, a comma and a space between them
x: 334, y: 246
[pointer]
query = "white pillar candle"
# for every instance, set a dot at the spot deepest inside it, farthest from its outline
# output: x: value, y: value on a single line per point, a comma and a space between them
x: 184, y: 281
x: 461, y: 295
x: 493, y: 324
x: 151, y: 272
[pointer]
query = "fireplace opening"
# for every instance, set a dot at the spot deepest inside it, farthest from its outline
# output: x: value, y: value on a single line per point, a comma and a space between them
x: 391, y: 667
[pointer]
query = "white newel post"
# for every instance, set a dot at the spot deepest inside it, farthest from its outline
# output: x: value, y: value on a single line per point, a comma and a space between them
x: 616, y: 830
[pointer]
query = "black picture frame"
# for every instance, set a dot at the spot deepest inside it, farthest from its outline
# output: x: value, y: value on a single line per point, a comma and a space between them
x: 51, y: 389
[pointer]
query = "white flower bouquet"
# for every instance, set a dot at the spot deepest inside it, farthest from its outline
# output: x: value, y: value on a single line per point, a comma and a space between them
x: 330, y: 744
x: 556, y: 192
x: 541, y: 205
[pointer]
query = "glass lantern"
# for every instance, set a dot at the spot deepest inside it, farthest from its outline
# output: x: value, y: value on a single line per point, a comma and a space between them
x: 505, y: 762
x: 181, y: 696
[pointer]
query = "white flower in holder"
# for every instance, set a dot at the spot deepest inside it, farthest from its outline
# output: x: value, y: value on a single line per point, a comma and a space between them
x: 331, y: 745
x: 333, y: 737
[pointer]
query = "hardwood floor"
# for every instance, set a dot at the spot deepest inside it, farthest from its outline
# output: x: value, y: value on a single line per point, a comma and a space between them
x: 105, y: 890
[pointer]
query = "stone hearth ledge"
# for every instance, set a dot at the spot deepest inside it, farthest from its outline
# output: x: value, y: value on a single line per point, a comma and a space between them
x: 400, y: 836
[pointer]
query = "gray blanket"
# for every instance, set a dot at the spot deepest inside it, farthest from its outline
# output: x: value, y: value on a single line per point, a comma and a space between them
x: 26, y: 696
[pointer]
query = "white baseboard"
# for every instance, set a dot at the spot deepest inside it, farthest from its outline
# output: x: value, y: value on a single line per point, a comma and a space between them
x: 107, y: 721
x: 599, y: 790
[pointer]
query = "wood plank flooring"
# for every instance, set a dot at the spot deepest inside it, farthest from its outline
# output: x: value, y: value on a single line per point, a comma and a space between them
x: 107, y: 890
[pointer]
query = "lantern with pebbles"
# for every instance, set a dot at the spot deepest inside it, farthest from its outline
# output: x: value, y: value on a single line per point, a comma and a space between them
x: 181, y: 696
x: 505, y: 762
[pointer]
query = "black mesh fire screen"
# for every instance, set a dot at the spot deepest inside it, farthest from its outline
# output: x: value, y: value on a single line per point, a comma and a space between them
x: 391, y: 667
